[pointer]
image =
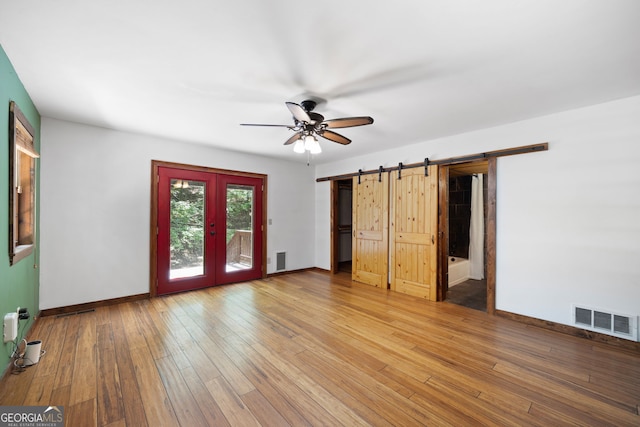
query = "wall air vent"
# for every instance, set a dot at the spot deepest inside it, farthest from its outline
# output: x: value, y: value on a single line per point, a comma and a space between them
x: 583, y: 316
x: 606, y: 322
x: 281, y: 261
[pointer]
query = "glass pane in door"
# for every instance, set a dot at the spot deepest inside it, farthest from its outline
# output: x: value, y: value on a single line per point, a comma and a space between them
x: 187, y: 225
x: 239, y: 227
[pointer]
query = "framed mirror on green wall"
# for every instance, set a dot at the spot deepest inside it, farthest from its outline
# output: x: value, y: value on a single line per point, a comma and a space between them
x: 22, y: 182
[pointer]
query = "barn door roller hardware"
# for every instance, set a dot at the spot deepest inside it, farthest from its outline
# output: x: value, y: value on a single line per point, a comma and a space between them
x: 448, y: 161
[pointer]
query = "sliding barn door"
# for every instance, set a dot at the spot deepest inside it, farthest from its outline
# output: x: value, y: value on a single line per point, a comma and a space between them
x: 370, y: 249
x: 414, y: 232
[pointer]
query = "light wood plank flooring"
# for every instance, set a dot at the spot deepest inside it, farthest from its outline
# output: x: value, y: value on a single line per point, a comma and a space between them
x: 314, y: 349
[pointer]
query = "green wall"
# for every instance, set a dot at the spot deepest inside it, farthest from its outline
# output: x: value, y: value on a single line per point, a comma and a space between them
x: 20, y: 283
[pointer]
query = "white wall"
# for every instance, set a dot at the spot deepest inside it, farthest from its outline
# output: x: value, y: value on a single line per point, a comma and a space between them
x: 568, y: 219
x: 95, y: 209
x: 568, y: 227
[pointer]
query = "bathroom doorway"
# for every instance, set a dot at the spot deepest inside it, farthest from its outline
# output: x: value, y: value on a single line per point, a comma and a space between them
x: 465, y: 242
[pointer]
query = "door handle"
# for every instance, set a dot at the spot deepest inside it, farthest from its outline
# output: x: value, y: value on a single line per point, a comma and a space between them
x: 212, y: 233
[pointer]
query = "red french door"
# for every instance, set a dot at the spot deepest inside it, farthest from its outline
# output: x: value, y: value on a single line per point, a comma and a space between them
x: 209, y: 229
x: 239, y: 244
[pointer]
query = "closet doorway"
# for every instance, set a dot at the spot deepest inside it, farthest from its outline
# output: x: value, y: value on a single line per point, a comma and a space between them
x: 341, y: 225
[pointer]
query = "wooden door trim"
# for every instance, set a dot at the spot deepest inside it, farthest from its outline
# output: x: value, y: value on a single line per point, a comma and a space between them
x: 153, y: 226
x: 443, y: 233
x: 335, y: 236
x: 490, y: 231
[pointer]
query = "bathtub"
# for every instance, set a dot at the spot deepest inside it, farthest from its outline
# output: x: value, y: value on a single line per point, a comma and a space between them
x: 458, y: 270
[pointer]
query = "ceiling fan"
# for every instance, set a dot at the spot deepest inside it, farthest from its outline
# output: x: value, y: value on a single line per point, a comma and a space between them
x: 308, y: 124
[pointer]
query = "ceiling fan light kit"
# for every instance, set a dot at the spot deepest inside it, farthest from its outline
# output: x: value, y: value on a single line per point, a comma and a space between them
x: 308, y: 124
x: 298, y: 147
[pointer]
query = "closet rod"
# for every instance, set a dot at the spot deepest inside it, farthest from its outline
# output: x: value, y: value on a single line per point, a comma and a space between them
x: 449, y: 161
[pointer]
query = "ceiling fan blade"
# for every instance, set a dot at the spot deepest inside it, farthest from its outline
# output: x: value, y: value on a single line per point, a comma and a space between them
x: 335, y: 137
x: 259, y: 124
x: 298, y: 112
x: 348, y: 122
x: 294, y: 138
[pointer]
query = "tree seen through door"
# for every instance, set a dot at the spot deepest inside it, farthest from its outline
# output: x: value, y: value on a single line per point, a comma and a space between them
x: 239, y: 227
x: 187, y: 228
x: 188, y: 231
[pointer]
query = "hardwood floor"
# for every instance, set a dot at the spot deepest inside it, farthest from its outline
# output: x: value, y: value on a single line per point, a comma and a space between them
x: 314, y: 349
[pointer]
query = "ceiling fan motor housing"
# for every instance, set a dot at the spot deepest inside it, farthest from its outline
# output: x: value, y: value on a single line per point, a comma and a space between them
x: 317, y: 118
x: 308, y: 105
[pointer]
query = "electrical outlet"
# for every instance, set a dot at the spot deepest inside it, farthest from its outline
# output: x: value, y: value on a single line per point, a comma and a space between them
x: 10, y: 331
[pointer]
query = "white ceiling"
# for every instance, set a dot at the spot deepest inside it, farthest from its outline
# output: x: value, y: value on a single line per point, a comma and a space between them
x: 194, y: 70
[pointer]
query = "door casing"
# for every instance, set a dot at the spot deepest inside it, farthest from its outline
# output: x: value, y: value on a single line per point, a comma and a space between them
x: 488, y: 167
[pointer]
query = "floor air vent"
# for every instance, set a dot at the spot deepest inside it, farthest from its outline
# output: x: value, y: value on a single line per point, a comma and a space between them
x: 281, y: 261
x: 620, y: 325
